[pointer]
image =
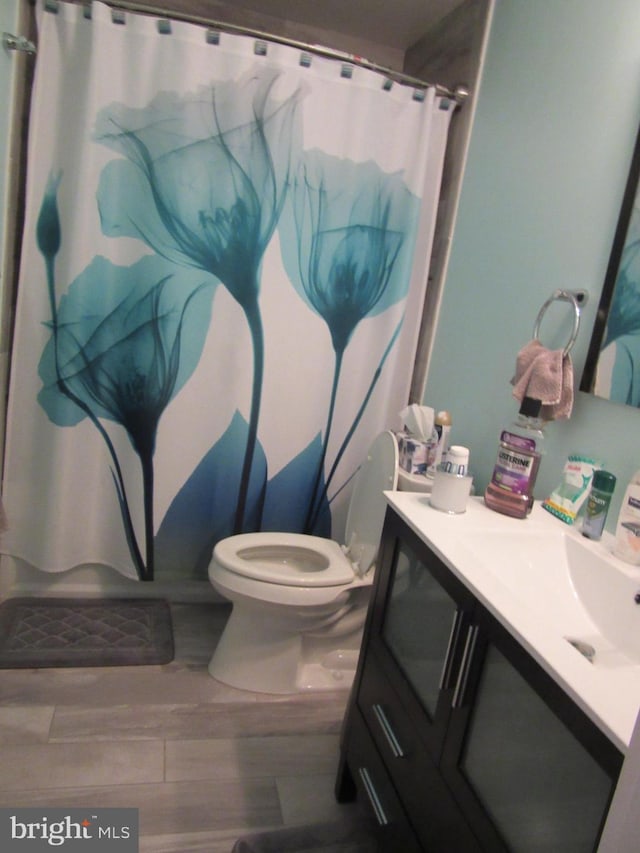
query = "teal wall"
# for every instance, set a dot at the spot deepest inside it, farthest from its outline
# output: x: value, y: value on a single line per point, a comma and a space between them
x: 557, y: 116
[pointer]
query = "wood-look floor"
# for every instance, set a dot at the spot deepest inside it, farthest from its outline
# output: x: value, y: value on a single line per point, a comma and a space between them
x: 203, y: 762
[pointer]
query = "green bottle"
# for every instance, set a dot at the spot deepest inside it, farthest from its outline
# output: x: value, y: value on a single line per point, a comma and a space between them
x: 598, y: 503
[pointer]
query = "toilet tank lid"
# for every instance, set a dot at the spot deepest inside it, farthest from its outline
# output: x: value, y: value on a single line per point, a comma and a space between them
x: 377, y: 474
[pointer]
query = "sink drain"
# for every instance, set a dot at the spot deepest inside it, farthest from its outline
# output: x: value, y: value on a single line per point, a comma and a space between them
x: 585, y: 649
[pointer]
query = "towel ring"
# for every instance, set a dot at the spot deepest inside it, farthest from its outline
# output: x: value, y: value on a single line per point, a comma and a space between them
x: 577, y: 298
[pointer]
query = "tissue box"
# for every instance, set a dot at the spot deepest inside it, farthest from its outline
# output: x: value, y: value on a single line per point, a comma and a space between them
x: 414, y: 455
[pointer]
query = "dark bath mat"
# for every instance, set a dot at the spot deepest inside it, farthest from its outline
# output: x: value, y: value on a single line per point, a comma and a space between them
x: 48, y: 632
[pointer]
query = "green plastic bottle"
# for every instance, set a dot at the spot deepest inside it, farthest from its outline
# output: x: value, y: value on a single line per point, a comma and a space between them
x: 598, y: 502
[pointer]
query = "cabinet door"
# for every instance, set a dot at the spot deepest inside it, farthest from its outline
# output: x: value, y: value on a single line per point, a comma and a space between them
x: 420, y: 616
x: 532, y: 773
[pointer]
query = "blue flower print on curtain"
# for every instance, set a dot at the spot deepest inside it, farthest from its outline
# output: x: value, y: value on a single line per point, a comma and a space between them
x: 203, y: 184
x: 350, y: 233
x: 124, y: 340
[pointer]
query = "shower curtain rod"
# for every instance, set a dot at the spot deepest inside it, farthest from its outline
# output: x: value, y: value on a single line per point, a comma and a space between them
x: 458, y: 95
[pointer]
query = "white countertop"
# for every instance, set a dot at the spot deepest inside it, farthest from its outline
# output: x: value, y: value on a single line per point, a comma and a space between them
x: 522, y: 597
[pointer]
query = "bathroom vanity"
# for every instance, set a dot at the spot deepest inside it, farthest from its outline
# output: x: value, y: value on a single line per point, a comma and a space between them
x: 494, y: 700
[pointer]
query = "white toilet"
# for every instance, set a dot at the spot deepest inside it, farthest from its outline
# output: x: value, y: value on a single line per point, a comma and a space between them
x: 300, y: 601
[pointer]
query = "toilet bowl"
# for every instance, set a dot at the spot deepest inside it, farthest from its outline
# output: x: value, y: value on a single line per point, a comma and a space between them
x: 300, y: 601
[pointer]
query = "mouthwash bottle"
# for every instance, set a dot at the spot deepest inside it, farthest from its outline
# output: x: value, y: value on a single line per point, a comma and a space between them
x: 514, y: 475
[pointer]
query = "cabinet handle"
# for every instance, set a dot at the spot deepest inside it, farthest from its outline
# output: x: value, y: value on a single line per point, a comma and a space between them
x: 372, y: 794
x: 465, y: 666
x: 445, y: 675
x: 388, y: 731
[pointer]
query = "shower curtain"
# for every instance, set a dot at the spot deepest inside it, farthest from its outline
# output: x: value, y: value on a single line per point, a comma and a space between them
x: 224, y: 263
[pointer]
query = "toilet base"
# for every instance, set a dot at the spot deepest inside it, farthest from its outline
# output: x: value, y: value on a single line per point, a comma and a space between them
x: 310, y: 677
x: 336, y: 671
x: 256, y: 654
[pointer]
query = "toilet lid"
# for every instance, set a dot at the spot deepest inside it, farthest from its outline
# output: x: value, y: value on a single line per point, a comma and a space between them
x: 377, y: 474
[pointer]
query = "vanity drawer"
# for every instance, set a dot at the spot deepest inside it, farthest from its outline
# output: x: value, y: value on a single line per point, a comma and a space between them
x: 430, y: 806
x: 387, y: 717
x: 375, y: 788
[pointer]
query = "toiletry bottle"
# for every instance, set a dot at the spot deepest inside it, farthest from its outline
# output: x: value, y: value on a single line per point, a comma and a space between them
x: 511, y: 488
x: 442, y: 427
x: 627, y: 544
x: 598, y: 504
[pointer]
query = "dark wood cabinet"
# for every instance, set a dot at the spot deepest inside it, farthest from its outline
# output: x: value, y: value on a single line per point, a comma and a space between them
x: 457, y: 737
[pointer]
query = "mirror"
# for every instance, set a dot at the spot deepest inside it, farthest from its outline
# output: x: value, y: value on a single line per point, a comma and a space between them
x: 612, y: 368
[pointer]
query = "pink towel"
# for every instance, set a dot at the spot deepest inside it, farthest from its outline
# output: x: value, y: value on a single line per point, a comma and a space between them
x: 545, y: 375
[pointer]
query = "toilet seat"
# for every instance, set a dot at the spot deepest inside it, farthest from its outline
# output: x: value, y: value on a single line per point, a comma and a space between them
x: 287, y: 559
x: 263, y: 594
x: 302, y: 560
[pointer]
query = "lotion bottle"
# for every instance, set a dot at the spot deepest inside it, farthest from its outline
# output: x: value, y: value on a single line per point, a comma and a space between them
x: 510, y: 490
x: 442, y: 427
x: 627, y: 544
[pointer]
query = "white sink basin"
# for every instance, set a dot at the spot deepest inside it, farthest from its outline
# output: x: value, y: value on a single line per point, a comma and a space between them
x: 607, y: 591
x: 577, y: 585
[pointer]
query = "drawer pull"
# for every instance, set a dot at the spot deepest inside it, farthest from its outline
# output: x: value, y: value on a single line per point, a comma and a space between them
x: 465, y: 666
x: 388, y: 731
x: 445, y: 675
x: 376, y: 805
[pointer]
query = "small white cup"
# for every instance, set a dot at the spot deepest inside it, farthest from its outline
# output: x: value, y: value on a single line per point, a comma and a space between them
x: 450, y: 491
